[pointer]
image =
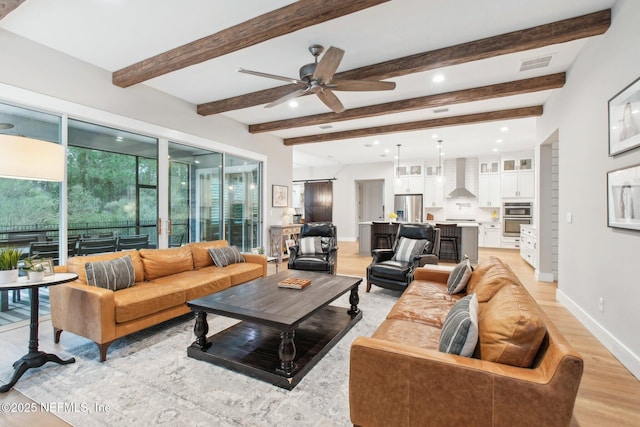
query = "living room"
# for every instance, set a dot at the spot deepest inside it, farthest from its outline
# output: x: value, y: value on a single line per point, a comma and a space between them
x: 44, y: 79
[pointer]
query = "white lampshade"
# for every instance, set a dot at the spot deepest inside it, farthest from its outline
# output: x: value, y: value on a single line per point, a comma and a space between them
x: 27, y: 158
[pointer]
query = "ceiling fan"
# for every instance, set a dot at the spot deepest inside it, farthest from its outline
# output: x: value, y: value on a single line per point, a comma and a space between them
x: 317, y: 78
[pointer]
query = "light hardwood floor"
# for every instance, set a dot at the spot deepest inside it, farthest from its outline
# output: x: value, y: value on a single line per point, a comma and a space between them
x: 608, y: 396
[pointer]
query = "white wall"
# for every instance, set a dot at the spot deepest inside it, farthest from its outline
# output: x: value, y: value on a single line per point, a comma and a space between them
x: 345, y: 212
x: 38, y: 69
x: 596, y: 261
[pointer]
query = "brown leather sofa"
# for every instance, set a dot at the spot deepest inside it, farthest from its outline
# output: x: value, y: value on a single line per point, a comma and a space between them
x: 165, y: 280
x: 523, y: 372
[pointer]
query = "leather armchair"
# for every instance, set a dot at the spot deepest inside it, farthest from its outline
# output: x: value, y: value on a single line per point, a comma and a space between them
x: 324, y: 258
x: 392, y: 271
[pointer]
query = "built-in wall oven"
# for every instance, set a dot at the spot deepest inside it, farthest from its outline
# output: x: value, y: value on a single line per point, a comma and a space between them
x: 515, y: 214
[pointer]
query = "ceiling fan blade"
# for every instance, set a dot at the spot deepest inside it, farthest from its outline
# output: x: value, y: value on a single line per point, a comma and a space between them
x: 358, y: 85
x: 288, y: 97
x: 331, y: 100
x: 273, y: 76
x: 328, y: 65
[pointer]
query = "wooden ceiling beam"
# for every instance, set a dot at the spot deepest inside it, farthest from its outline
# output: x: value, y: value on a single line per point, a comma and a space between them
x: 517, y: 41
x: 515, y: 113
x: 7, y: 6
x: 287, y: 19
x: 518, y: 87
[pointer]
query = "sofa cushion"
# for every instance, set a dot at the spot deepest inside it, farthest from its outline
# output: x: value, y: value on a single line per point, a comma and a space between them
x: 409, y: 333
x: 114, y: 274
x: 394, y: 270
x: 145, y: 299
x: 243, y: 272
x: 408, y: 249
x: 310, y: 245
x: 459, y: 277
x: 425, y: 303
x: 226, y: 255
x: 495, y: 277
x: 76, y: 264
x: 200, y: 252
x: 164, y: 262
x: 197, y: 283
x: 459, y: 333
x: 511, y: 328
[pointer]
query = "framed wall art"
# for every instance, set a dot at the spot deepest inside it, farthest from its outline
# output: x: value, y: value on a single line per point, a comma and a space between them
x: 280, y: 196
x: 624, y: 119
x: 623, y: 194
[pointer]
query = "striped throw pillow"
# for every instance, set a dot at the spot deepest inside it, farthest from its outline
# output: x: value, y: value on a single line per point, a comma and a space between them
x: 459, y: 333
x: 459, y: 277
x: 310, y: 245
x: 114, y: 274
x: 226, y: 255
x: 408, y: 249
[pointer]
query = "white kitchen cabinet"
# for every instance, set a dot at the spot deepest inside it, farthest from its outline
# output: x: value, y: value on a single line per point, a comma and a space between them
x: 490, y: 235
x: 489, y: 195
x: 528, y: 244
x: 433, y: 192
x: 517, y: 163
x: 409, y: 185
x: 489, y: 166
x: 517, y: 184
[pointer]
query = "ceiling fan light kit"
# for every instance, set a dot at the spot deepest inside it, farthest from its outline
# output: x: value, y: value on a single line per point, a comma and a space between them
x: 317, y: 76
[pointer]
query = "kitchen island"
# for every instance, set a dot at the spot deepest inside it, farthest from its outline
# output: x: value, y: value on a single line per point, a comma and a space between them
x: 466, y: 230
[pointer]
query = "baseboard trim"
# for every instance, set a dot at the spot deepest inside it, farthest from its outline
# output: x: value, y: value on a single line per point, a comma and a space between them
x: 630, y: 360
x: 544, y: 277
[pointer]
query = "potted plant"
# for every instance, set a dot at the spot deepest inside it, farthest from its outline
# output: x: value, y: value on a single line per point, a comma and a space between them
x: 9, y: 258
x: 393, y: 216
x: 34, y: 269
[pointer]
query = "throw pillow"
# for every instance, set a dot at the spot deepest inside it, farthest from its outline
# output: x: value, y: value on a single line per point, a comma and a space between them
x: 459, y: 277
x: 459, y: 333
x: 226, y: 255
x: 408, y: 249
x: 310, y: 245
x: 114, y: 274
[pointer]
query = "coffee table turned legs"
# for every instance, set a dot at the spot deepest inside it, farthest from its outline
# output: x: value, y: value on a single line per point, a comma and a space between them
x: 354, y: 299
x: 201, y: 329
x: 287, y: 352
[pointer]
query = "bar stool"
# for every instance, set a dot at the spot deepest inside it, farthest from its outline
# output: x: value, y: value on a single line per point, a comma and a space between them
x: 383, y: 234
x: 448, y: 234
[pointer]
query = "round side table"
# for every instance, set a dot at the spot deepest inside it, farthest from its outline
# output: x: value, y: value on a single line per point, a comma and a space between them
x: 35, y: 358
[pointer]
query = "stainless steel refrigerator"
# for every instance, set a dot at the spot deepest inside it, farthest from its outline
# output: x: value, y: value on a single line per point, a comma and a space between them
x: 408, y: 207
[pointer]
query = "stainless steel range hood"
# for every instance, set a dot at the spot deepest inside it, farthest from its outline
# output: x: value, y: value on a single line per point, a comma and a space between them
x: 461, y: 190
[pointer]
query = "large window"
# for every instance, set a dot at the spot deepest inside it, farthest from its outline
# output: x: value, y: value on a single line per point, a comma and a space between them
x: 29, y: 210
x: 112, y: 180
x: 242, y: 202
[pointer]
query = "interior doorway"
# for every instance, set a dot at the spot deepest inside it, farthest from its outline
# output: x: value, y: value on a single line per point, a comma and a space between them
x: 370, y: 200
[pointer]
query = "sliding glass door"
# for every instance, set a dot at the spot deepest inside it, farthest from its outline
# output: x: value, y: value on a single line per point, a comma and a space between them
x: 242, y: 202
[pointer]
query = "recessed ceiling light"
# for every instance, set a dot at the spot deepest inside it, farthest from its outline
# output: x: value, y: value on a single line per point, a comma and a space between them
x: 386, y: 150
x: 434, y: 136
x: 499, y: 141
x: 495, y: 150
x: 438, y: 78
x: 119, y: 138
x: 504, y: 129
x: 376, y: 142
x: 635, y: 112
x: 293, y: 103
x: 197, y: 162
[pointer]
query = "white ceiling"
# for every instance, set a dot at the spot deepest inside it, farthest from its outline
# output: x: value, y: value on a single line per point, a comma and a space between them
x: 113, y: 34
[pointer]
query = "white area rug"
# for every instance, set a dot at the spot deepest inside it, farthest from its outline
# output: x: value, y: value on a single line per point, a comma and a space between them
x: 149, y: 380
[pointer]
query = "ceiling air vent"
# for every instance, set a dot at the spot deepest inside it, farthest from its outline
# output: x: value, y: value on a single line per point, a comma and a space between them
x: 440, y: 110
x: 533, y: 63
x: 325, y: 127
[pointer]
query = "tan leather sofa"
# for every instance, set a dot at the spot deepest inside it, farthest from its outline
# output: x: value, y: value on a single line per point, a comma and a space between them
x: 399, y: 378
x: 165, y: 280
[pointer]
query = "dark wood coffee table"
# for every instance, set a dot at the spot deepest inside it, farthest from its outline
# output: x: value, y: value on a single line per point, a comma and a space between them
x: 263, y: 345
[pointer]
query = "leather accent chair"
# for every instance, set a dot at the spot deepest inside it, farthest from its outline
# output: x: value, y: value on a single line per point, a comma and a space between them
x: 389, y: 272
x: 325, y: 257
